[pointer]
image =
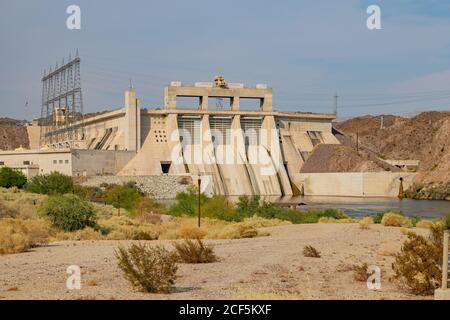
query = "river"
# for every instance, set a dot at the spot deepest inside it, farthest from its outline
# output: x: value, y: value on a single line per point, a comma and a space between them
x: 356, y: 207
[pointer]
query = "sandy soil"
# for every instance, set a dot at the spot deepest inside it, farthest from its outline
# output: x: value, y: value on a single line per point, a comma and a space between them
x: 247, y: 267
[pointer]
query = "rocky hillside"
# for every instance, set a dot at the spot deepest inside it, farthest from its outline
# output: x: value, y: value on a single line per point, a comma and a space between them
x: 339, y: 158
x: 425, y: 137
x: 13, y: 134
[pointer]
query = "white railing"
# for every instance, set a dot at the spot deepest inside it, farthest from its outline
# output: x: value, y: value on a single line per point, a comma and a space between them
x: 445, y: 262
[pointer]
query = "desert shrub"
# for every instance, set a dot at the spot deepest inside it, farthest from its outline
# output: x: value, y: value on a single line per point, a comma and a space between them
x: 186, y: 202
x: 445, y: 222
x: 13, y: 236
x: 51, y: 184
x: 365, y: 223
x: 148, y: 268
x: 69, y: 212
x: 334, y: 220
x: 126, y: 228
x: 125, y: 197
x: 395, y: 220
x: 190, y: 251
x: 361, y: 272
x: 425, y: 224
x: 191, y: 232
x: 12, y: 178
x: 378, y: 217
x: 259, y: 222
x: 18, y: 235
x: 419, y: 263
x: 310, y: 251
x: 414, y: 220
x: 236, y: 231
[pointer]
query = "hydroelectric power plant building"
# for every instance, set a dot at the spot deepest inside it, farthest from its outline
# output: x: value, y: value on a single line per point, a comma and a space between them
x: 238, y: 151
x: 233, y: 149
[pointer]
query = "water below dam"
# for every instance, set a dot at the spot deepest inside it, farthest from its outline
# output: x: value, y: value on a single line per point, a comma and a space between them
x: 356, y: 207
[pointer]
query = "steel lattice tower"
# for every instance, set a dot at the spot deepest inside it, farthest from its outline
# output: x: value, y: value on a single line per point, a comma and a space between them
x: 62, y: 105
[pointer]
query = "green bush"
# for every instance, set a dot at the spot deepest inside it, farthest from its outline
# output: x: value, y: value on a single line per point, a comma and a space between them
x: 12, y: 178
x: 148, y: 268
x: 125, y: 197
x: 186, y: 203
x: 248, y: 206
x: 69, y: 212
x: 446, y: 221
x: 219, y: 207
x: 51, y: 184
x: 93, y: 194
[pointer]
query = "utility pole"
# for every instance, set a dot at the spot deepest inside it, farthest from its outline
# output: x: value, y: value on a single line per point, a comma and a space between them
x: 335, y: 104
x: 357, y: 141
x: 382, y: 123
x: 198, y: 204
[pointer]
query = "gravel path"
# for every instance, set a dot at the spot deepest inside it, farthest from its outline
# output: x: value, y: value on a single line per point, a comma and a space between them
x: 268, y: 264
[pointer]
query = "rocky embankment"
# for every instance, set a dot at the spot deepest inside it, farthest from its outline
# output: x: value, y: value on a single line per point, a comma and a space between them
x: 159, y: 187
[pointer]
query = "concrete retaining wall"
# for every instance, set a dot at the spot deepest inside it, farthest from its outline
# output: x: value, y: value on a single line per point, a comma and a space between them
x: 354, y: 184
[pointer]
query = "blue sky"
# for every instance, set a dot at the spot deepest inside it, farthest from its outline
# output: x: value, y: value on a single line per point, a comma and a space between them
x: 306, y: 50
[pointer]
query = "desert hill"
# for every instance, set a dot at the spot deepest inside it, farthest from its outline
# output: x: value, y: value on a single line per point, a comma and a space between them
x: 424, y: 137
x: 13, y: 134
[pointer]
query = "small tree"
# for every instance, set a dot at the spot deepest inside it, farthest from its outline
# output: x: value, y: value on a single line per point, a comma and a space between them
x: 69, y: 212
x: 51, y: 184
x: 12, y: 178
x: 123, y: 197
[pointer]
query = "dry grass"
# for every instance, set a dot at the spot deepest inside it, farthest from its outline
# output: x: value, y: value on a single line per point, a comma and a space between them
x: 266, y: 295
x: 311, y: 252
x: 425, y: 224
x: 334, y: 220
x: 388, y: 249
x: 365, y: 223
x: 190, y: 251
x: 17, y: 235
x: 191, y: 232
x: 392, y: 219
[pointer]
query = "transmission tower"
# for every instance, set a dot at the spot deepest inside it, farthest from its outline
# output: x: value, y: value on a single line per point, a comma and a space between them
x: 62, y: 105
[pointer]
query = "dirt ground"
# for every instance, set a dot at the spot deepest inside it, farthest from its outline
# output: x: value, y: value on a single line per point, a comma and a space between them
x: 264, y: 267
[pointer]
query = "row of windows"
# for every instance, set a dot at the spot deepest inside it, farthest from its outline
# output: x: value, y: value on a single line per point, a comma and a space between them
x: 25, y: 163
x: 60, y: 161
